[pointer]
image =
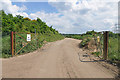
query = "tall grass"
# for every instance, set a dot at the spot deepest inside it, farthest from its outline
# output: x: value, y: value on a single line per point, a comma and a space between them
x: 6, y: 46
x: 113, y: 53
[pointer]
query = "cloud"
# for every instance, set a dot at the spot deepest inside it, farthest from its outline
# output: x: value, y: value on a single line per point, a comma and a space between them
x: 73, y: 16
x: 7, y: 6
x: 18, y: 0
x: 61, y: 0
x: 81, y: 16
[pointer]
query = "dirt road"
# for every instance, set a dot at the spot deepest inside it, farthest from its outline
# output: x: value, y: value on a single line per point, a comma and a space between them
x: 60, y: 59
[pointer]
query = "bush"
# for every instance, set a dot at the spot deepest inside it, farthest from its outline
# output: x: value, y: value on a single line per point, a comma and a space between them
x: 96, y: 53
x: 84, y: 42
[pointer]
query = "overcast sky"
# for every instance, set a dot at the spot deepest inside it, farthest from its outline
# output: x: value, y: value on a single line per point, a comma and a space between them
x: 68, y: 16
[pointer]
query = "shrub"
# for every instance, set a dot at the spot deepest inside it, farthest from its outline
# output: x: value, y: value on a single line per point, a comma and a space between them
x: 84, y: 42
x: 96, y: 53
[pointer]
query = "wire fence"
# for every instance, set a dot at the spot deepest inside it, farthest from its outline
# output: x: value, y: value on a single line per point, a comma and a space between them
x: 113, y: 53
x: 113, y: 49
x: 24, y: 46
x: 98, y: 38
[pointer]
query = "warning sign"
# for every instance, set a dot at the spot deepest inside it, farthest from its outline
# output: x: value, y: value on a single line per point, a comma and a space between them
x: 28, y: 37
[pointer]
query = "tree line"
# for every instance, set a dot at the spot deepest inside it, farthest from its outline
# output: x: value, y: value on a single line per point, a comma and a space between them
x: 21, y: 24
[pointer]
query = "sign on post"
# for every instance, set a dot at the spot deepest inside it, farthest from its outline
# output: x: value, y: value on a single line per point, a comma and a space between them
x: 28, y: 37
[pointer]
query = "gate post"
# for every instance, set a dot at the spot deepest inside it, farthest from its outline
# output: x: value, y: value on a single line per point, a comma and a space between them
x: 105, y: 49
x: 12, y: 43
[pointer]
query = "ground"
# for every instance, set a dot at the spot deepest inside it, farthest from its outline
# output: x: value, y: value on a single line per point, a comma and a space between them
x: 60, y: 59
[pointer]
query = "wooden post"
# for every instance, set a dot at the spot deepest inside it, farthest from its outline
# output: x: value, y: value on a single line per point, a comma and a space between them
x: 105, y: 50
x: 12, y: 44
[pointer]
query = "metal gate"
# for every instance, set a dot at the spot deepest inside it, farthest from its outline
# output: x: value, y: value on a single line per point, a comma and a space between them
x: 23, y: 42
x: 108, y: 45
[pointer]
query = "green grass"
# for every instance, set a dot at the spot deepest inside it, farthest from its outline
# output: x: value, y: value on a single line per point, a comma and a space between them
x: 6, y: 46
x: 113, y: 53
x: 36, y: 43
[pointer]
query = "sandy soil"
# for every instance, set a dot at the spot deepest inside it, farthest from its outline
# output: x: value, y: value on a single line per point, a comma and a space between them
x: 60, y: 59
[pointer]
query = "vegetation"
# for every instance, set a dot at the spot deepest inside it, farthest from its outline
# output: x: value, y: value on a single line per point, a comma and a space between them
x: 44, y: 33
x: 96, y: 53
x: 84, y: 42
x: 113, y: 49
x: 113, y: 53
x: 88, y: 34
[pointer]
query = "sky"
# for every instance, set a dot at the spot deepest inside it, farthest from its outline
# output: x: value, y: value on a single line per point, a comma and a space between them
x: 68, y: 16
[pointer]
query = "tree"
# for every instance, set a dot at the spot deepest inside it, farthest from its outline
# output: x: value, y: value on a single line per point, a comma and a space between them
x: 39, y: 20
x: 27, y: 19
x: 20, y: 24
x: 10, y: 15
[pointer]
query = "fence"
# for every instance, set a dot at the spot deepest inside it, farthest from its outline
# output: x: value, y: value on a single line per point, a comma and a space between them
x: 20, y: 44
x: 113, y: 50
x: 16, y: 43
x: 99, y: 42
x: 106, y: 42
x: 107, y: 45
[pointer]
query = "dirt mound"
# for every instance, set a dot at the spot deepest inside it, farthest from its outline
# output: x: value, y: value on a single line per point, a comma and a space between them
x: 90, y: 45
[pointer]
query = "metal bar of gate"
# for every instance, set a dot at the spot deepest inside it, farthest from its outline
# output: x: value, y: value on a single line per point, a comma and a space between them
x: 24, y: 33
x: 21, y: 37
x: 20, y: 49
x: 12, y: 43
